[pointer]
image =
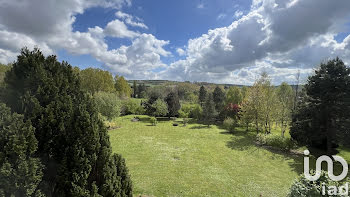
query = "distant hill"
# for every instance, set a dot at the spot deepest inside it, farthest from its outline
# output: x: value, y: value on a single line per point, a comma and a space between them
x: 151, y: 83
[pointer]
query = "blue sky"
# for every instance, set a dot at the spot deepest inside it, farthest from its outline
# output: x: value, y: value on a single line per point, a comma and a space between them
x: 226, y: 41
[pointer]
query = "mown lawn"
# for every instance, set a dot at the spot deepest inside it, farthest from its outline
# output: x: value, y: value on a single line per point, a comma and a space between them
x: 199, y: 161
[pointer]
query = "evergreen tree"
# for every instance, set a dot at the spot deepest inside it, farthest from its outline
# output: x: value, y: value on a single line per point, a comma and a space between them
x: 73, y: 142
x: 173, y: 103
x: 202, y: 95
x: 20, y: 171
x: 321, y: 119
x: 218, y: 97
x: 141, y: 91
x: 209, y: 110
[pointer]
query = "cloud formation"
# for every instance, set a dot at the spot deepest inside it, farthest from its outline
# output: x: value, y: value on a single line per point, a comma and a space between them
x: 282, y: 34
x: 276, y: 36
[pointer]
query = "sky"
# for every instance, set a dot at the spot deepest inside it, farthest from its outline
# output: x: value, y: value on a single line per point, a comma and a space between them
x: 222, y: 41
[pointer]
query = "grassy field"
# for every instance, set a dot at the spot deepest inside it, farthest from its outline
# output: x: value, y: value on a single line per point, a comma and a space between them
x: 199, y: 161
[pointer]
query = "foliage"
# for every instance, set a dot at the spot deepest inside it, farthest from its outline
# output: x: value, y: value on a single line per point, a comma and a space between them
x: 230, y: 124
x: 153, y: 95
x: 322, y: 119
x: 108, y: 104
x: 218, y: 97
x: 246, y: 115
x: 285, y: 98
x: 233, y: 111
x: 275, y: 141
x: 73, y: 142
x: 202, y: 95
x: 153, y: 121
x: 141, y: 91
x: 95, y: 80
x: 209, y: 110
x: 134, y: 89
x: 234, y: 95
x: 173, y: 103
x: 305, y: 188
x: 20, y: 171
x: 132, y: 106
x: 160, y: 108
x: 122, y: 86
x: 197, y: 112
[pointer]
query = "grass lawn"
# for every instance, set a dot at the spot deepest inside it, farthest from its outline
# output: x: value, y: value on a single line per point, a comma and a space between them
x: 195, y: 160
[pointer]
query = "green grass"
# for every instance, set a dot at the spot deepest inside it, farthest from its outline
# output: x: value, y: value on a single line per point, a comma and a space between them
x: 195, y: 160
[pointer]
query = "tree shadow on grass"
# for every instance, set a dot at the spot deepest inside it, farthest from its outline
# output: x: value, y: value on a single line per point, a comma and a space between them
x: 245, y: 141
x: 200, y: 127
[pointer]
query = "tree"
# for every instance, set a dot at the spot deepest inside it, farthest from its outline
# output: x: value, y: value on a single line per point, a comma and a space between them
x: 218, y: 97
x: 322, y: 118
x: 160, y: 108
x: 247, y: 114
x: 122, y: 86
x: 253, y: 105
x: 154, y: 95
x: 95, y: 80
x: 234, y: 96
x: 173, y: 103
x: 268, y: 102
x: 108, y: 104
x: 202, y: 95
x: 20, y: 170
x: 73, y: 143
x: 141, y: 91
x: 209, y: 110
x: 134, y: 87
x: 285, y: 105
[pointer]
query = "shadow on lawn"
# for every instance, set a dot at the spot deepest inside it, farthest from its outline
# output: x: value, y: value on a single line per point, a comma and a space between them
x: 245, y: 141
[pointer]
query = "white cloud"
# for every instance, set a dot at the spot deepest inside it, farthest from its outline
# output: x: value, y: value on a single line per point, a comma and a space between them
x: 238, y: 13
x: 281, y: 36
x: 221, y: 16
x: 130, y: 20
x: 117, y: 28
x: 181, y: 52
x: 141, y: 57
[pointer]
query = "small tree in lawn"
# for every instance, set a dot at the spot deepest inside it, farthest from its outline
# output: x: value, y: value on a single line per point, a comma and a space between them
x: 209, y: 111
x: 160, y: 108
x: 184, y: 113
x: 173, y: 103
x: 202, y: 95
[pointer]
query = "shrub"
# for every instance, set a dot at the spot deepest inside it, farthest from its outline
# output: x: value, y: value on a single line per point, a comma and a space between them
x: 153, y: 121
x: 108, y: 104
x: 304, y: 188
x: 132, y: 106
x: 197, y: 112
x: 230, y: 124
x: 160, y: 108
x: 275, y: 141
